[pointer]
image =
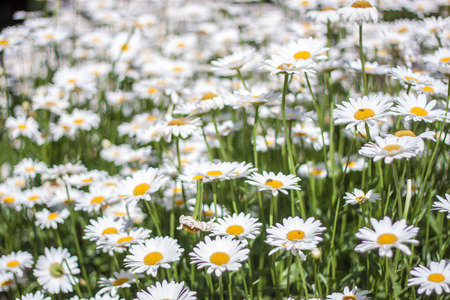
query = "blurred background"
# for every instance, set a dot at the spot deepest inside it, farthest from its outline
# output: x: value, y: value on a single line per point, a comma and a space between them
x: 8, y: 7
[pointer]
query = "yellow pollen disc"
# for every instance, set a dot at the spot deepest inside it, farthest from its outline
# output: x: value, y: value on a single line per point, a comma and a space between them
x: 120, y: 214
x: 208, y: 213
x: 31, y: 169
x: 190, y: 230
x: 295, y: 235
x: 151, y: 118
x: 280, y: 67
x: 196, y: 177
x: 327, y: 8
x: 304, y: 2
x: 208, y: 95
x: 97, y: 200
x: 33, y: 198
x: 402, y: 30
x: 214, y: 173
x: 361, y: 199
x: 87, y: 180
x: 13, y: 263
x: 125, y: 47
x: 135, y: 127
x: 152, y: 258
x: 411, y: 78
x: 65, y: 127
x: 235, y: 229
x: 152, y: 90
x: 219, y: 258
x: 179, y: 202
x: 22, y: 126
x: 364, y: 113
x: 7, y: 282
x: 401, y: 133
x: 445, y: 59
x: 120, y: 281
x: 140, y: 189
x: 273, y: 183
x: 361, y: 4
x: 350, y: 164
x: 53, y: 216
x: 78, y: 121
x: 109, y: 230
x: 419, y: 111
x: 428, y: 88
x: 387, y: 238
x: 124, y: 240
x: 302, y: 55
x: 189, y: 149
x: 177, y: 69
x: 177, y: 122
x: 301, y: 134
x: 350, y: 297
x: 180, y: 45
x: 72, y: 81
x: 8, y: 199
x: 391, y: 147
x: 4, y: 42
x: 317, y: 172
x: 48, y: 36
x: 436, y: 277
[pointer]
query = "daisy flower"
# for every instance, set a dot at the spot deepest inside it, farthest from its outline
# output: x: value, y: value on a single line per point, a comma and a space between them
x: 120, y: 242
x: 436, y: 278
x: 153, y: 253
x: 443, y: 205
x: 417, y: 109
x: 47, y: 218
x: 287, y: 65
x: 21, y: 126
x: 349, y: 294
x: 53, y: 270
x: 408, y: 76
x: 387, y: 235
x: 16, y: 262
x: 140, y: 185
x: 166, y: 290
x: 6, y: 281
x: 304, y: 49
x: 99, y: 228
x: 110, y: 286
x: 359, y: 197
x: 219, y: 255
x: 180, y: 127
x: 37, y: 296
x: 295, y: 235
x: 234, y: 61
x: 361, y: 11
x: 366, y: 110
x: 240, y: 226
x: 391, y: 147
x: 274, y: 183
x: 29, y: 168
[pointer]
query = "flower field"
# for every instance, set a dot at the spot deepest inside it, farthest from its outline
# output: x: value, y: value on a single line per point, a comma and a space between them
x: 188, y: 149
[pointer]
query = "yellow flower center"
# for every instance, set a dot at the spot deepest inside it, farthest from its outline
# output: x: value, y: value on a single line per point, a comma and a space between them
x: 436, y: 277
x: 13, y: 263
x: 7, y: 282
x: 124, y: 47
x: 97, y: 200
x: 33, y: 198
x: 391, y: 147
x: 120, y: 281
x: 411, y: 78
x: 22, y: 126
x: 87, y: 180
x: 317, y: 172
x: 152, y: 258
x: 361, y: 4
x: 219, y: 258
x: 190, y: 230
x: 179, y: 202
x: 4, y: 42
x: 361, y: 199
x: 78, y: 121
x: 302, y: 55
x: 428, y: 88
x: 53, y: 216
x: 56, y: 270
x: 235, y: 229
x: 350, y: 297
x: 284, y: 66
x: 152, y: 90
x: 273, y: 183
x: 197, y: 177
x: 208, y: 95
x: 30, y: 169
x: 140, y: 189
x: 401, y: 133
x: 445, y: 59
x: 208, y: 213
x: 402, y: 30
x: 110, y: 230
x: 177, y: 69
x: 177, y: 122
x: 8, y: 199
x: 124, y: 240
x: 419, y: 111
x: 295, y: 235
x: 387, y: 238
x: 327, y: 8
x: 214, y: 173
x: 364, y: 113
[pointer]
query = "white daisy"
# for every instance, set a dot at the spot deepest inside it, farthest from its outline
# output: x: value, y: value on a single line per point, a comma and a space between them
x: 180, y: 127
x: 36, y: 296
x: 219, y: 255
x: 53, y: 270
x: 241, y: 226
x: 110, y: 286
x: 359, y: 197
x: 47, y: 218
x: 120, y: 242
x: 360, y: 11
x: 443, y: 205
x: 436, y: 278
x: 165, y: 290
x: 295, y: 235
x: 366, y: 110
x: 386, y: 235
x: 99, y: 228
x: 274, y: 183
x: 6, y: 281
x: 29, y: 168
x: 156, y: 252
x: 349, y: 294
x: 16, y: 262
x: 417, y: 109
x: 391, y: 147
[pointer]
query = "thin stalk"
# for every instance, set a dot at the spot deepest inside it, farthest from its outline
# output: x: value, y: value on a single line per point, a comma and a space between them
x: 302, y: 274
x: 154, y: 216
x: 285, y: 126
x: 361, y: 57
x: 198, y: 200
x: 255, y: 132
x: 221, y: 287
x: 219, y: 137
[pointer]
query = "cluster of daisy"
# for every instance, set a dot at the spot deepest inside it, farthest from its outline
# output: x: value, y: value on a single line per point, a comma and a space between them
x: 119, y: 118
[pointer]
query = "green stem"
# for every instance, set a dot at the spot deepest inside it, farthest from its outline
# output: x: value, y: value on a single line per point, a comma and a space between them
x: 255, y: 132
x: 199, y: 199
x: 285, y: 126
x: 219, y: 137
x: 361, y: 57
